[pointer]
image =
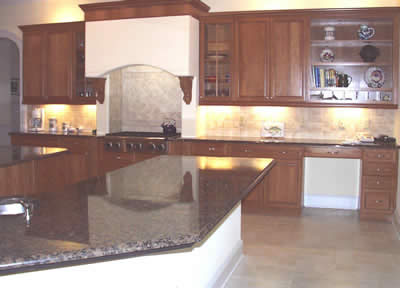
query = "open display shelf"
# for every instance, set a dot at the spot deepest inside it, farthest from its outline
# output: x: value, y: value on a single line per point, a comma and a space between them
x: 369, y: 81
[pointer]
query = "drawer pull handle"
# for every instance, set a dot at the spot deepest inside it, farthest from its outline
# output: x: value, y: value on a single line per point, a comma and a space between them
x: 283, y: 152
x: 247, y: 150
x: 378, y: 169
x: 333, y: 152
x: 118, y: 157
x: 379, y: 156
x: 377, y: 182
x: 379, y: 201
x: 211, y: 148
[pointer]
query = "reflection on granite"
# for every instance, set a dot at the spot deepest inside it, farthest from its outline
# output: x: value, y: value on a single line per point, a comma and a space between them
x: 143, y: 208
x: 298, y: 141
x: 11, y: 155
x: 56, y: 133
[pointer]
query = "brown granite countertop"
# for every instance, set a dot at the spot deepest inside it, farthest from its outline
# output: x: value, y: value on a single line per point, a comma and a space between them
x: 128, y: 213
x: 57, y: 133
x: 297, y: 141
x: 12, y: 155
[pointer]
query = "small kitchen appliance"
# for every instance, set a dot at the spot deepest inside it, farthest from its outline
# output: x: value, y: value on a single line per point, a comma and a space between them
x: 53, y: 125
x: 37, y: 119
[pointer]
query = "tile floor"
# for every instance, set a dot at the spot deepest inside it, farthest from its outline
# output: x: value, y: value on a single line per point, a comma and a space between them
x: 323, y: 248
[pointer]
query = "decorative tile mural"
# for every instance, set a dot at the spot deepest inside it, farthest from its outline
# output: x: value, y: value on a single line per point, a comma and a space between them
x: 317, y: 123
x: 142, y: 97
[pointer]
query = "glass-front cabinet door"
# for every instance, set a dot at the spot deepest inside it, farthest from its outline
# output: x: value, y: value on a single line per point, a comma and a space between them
x: 352, y: 61
x: 216, y: 61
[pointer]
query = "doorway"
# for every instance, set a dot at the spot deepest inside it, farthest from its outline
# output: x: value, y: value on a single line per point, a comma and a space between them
x: 9, y: 89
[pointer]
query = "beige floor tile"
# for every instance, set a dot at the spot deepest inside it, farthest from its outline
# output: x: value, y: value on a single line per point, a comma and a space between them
x: 323, y: 248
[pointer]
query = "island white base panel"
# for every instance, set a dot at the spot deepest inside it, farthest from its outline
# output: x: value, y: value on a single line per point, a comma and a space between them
x: 209, y: 264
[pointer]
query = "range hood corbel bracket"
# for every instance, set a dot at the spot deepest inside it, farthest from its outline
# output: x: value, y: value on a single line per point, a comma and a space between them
x: 186, y: 86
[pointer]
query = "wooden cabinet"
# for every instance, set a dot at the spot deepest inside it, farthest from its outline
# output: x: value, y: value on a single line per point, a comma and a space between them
x: 252, y: 59
x: 284, y: 58
x: 81, y: 162
x: 379, y: 183
x: 288, y: 59
x: 209, y: 149
x: 54, y: 64
x: 216, y: 65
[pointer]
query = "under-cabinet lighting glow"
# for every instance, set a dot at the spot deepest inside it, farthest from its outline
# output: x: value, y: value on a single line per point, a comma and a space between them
x: 215, y: 163
x: 55, y: 109
x: 270, y: 113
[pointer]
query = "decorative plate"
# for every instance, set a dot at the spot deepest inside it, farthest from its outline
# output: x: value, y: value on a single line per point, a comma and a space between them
x: 327, y: 55
x: 217, y: 57
x: 374, y: 77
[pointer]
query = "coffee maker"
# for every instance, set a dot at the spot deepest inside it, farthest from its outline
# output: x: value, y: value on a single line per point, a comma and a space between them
x: 37, y: 119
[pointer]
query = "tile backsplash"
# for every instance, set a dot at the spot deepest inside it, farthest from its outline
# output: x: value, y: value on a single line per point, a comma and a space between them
x: 142, y: 97
x: 83, y: 116
x: 317, y: 123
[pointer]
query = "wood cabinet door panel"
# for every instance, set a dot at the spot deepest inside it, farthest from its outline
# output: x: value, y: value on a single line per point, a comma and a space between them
x: 252, y: 59
x: 379, y: 183
x: 377, y: 201
x: 282, y: 188
x: 380, y: 155
x: 287, y: 59
x: 59, y: 66
x: 209, y: 149
x: 33, y: 80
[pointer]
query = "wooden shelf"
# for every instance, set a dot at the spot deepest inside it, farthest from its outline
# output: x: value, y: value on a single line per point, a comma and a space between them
x: 351, y: 89
x: 350, y: 43
x: 359, y: 64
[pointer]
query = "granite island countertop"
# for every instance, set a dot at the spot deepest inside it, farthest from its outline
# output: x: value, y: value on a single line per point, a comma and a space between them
x: 11, y: 155
x: 163, y: 203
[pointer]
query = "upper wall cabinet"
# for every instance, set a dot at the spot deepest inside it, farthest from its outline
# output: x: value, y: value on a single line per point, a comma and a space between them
x: 216, y: 65
x: 311, y: 58
x: 54, y: 64
x: 354, y: 60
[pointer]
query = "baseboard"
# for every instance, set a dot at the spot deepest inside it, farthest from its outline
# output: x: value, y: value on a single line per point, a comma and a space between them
x: 396, y: 222
x: 228, y: 267
x: 334, y: 202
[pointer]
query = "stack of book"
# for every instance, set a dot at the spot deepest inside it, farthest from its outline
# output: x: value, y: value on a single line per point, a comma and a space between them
x: 324, y: 77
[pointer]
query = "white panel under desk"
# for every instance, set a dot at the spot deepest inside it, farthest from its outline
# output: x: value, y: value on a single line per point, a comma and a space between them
x: 332, y: 183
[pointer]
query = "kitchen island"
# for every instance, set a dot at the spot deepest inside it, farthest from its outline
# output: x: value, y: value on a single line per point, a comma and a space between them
x: 181, y: 212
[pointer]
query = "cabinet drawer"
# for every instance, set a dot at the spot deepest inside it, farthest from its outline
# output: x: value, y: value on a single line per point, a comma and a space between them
x: 250, y: 150
x: 379, y: 183
x: 332, y: 152
x: 115, y: 156
x: 209, y: 149
x: 74, y: 144
x: 35, y: 140
x: 379, y: 168
x: 379, y: 155
x: 263, y: 150
x: 378, y: 201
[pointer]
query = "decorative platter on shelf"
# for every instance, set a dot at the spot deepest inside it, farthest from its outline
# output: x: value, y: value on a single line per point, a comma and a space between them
x: 374, y: 77
x: 217, y: 57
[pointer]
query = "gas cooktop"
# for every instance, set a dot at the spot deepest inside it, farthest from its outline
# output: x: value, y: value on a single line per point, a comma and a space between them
x: 144, y: 134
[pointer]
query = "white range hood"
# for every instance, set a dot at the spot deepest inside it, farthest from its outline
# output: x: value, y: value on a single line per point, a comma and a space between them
x: 169, y: 43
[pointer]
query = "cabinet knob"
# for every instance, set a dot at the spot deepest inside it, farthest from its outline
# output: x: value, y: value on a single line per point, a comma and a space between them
x: 377, y: 182
x: 379, y: 156
x: 247, y: 150
x: 379, y: 201
x: 283, y: 152
x: 211, y: 148
x: 118, y: 157
x: 378, y: 169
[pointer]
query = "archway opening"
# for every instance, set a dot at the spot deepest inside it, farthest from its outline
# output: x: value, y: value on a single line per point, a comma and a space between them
x: 9, y: 89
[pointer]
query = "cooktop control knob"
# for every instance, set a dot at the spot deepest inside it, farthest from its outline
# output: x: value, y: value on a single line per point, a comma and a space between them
x: 117, y: 146
x: 108, y: 145
x: 130, y: 146
x: 138, y: 146
x: 152, y: 147
x: 161, y: 147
